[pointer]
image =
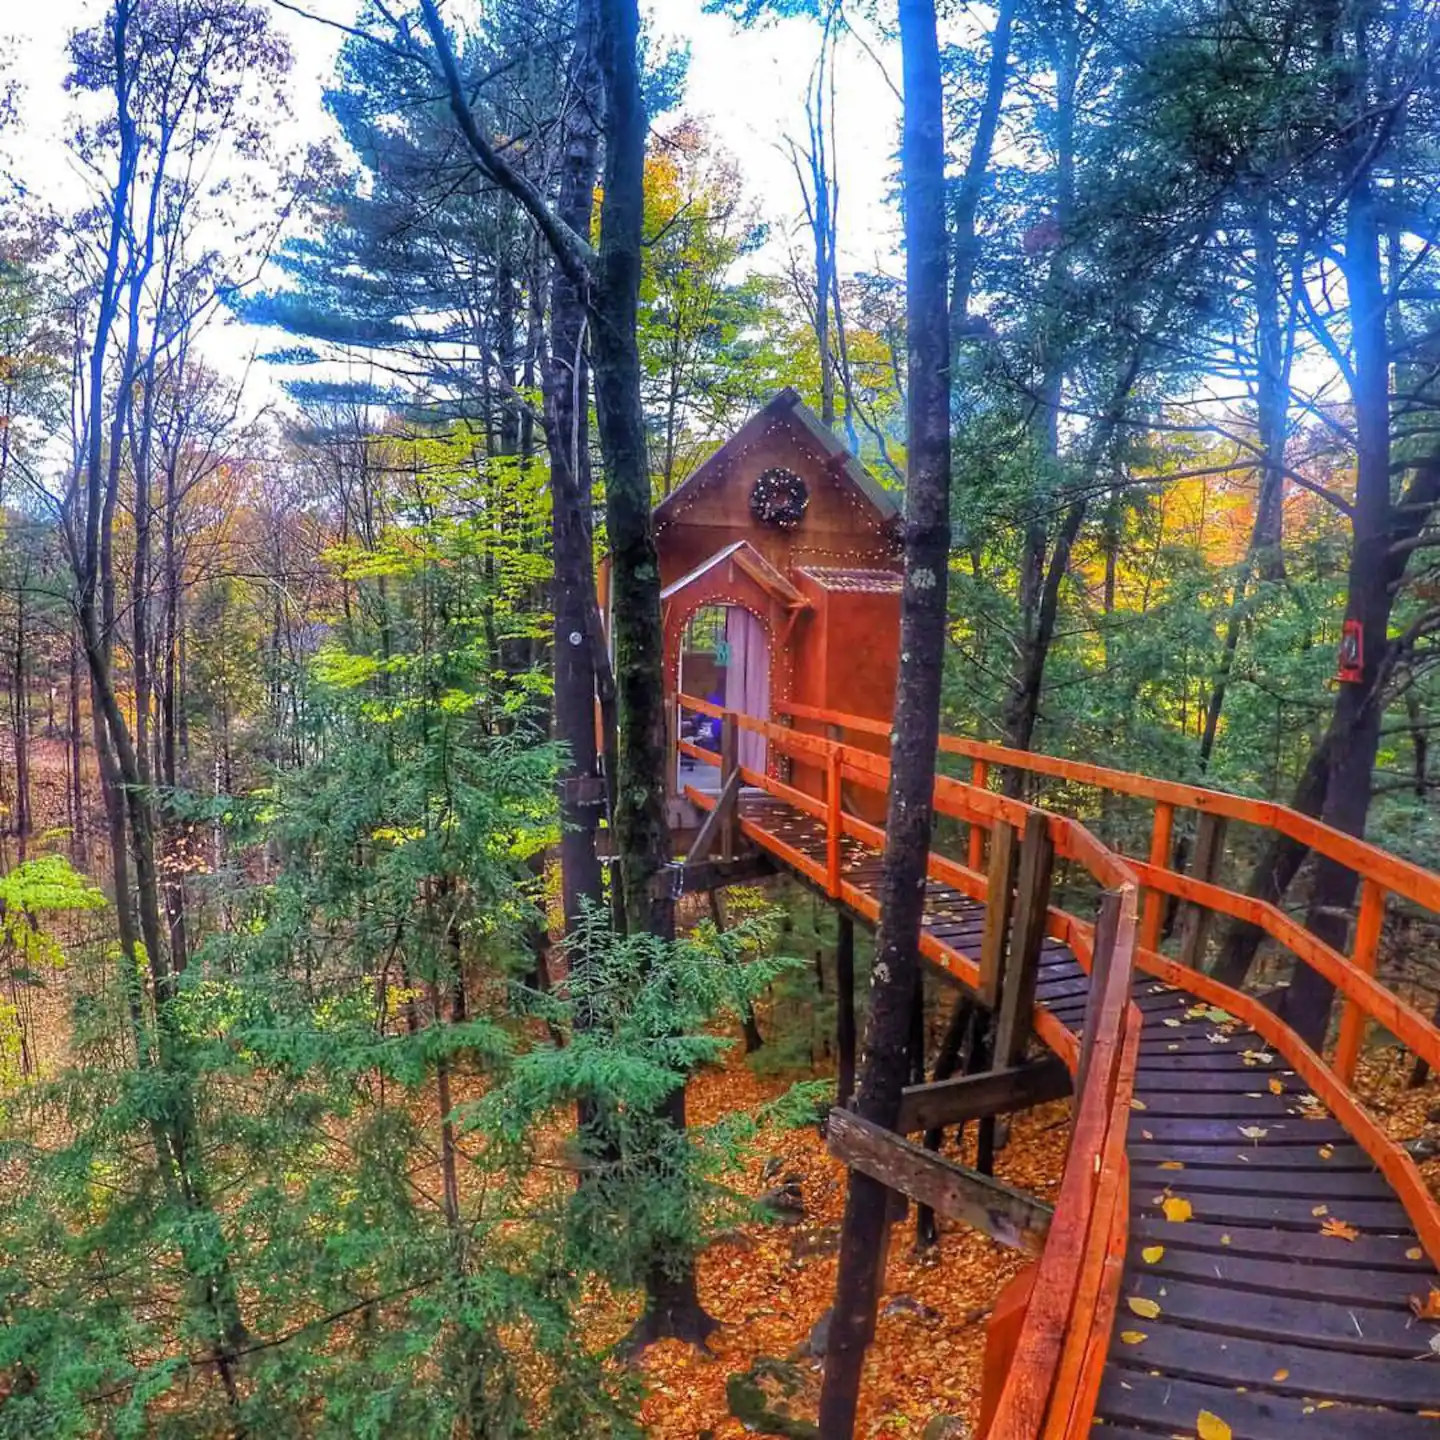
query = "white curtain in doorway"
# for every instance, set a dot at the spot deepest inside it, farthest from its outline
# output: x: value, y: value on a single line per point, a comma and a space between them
x: 747, y: 680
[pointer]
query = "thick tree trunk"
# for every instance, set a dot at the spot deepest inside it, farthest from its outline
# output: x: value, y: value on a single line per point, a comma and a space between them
x: 566, y: 389
x: 888, y: 1031
x: 1359, y: 706
x: 642, y: 838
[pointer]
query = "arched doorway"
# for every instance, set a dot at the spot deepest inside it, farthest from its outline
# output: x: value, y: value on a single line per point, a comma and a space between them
x: 725, y: 659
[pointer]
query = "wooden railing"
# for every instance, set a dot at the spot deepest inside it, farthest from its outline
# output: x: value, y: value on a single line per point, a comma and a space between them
x: 1055, y: 1376
x: 1364, y: 999
x: 1061, y: 1347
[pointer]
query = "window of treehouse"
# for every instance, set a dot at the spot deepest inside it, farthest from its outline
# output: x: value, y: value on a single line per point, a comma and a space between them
x: 725, y: 659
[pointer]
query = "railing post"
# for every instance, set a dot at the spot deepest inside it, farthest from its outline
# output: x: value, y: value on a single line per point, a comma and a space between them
x: 833, y: 822
x: 1102, y: 955
x: 1160, y: 836
x: 729, y: 760
x: 1368, y: 925
x: 1027, y: 937
x: 999, y: 901
x: 975, y: 854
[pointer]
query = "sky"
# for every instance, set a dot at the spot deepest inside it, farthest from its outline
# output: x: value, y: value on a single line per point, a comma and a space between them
x: 749, y: 86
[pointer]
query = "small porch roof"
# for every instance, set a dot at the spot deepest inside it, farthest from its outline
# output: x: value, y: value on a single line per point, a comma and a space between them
x: 748, y: 559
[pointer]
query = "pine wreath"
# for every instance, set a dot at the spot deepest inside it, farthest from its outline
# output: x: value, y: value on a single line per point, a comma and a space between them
x: 779, y: 497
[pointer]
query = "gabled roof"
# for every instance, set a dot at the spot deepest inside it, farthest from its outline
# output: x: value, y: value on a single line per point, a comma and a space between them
x: 839, y: 460
x: 754, y: 564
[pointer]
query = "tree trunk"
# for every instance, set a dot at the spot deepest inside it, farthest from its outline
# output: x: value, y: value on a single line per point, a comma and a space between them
x: 845, y: 1010
x: 888, y: 1037
x: 566, y: 389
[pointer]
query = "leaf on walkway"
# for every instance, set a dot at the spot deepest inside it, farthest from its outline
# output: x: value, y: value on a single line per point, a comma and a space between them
x: 1172, y: 1164
x: 1277, y: 1085
x: 1281, y: 1374
x: 1146, y: 1309
x: 1339, y: 1230
x: 1414, y: 1253
x: 1320, y: 1210
x: 1137, y: 1104
x: 1327, y: 1152
x: 1132, y: 1337
x: 1428, y: 1308
x: 1253, y: 1132
x: 1152, y: 1253
x: 1177, y: 1209
x: 1212, y: 1427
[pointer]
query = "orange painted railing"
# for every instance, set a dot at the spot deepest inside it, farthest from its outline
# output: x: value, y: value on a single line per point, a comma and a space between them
x: 1364, y: 999
x: 1061, y: 1346
x: 1055, y: 1376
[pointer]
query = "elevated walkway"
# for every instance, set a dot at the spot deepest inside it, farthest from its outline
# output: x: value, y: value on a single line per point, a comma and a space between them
x: 1235, y: 1236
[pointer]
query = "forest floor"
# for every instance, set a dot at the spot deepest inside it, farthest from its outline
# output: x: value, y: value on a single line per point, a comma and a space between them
x: 768, y: 1285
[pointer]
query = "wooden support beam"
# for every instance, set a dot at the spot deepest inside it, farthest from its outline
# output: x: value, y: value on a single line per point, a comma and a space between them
x: 1195, y: 922
x: 973, y: 1097
x: 1027, y: 935
x: 1107, y: 929
x: 716, y: 820
x: 999, y: 902
x: 713, y: 874
x: 954, y: 1191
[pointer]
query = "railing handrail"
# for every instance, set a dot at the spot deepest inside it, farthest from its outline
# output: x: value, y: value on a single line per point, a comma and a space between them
x: 1399, y: 876
x: 1056, y: 1339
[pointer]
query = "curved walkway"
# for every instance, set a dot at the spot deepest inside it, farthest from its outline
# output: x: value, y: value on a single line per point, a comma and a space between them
x: 1270, y: 1268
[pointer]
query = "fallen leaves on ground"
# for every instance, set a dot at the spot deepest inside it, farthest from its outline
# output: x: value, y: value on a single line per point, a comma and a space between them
x: 1142, y: 1306
x: 1337, y: 1229
x: 1428, y: 1308
x: 1177, y: 1209
x: 769, y: 1284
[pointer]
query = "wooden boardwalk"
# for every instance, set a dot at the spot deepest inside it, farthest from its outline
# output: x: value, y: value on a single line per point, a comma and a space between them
x: 1270, y: 1265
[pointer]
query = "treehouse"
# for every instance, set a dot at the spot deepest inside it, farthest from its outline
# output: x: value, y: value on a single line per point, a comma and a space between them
x: 780, y: 568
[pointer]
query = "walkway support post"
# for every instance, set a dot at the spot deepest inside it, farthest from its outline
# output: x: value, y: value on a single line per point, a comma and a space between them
x: 729, y: 766
x: 1160, y: 839
x: 975, y: 851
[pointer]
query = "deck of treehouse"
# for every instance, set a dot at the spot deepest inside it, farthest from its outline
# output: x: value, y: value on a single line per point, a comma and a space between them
x: 1234, y: 1233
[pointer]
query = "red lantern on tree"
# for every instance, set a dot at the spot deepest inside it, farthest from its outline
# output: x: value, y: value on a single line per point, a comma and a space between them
x: 1352, y: 654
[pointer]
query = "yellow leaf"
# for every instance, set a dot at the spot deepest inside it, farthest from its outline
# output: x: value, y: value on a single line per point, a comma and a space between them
x: 1132, y: 1337
x: 1172, y: 1164
x: 1277, y: 1086
x: 1320, y: 1210
x: 1414, y: 1253
x: 1177, y: 1210
x: 1281, y: 1374
x: 1326, y: 1151
x: 1137, y: 1105
x: 1212, y: 1427
x: 1224, y: 1239
x: 1146, y: 1309
x: 1152, y: 1253
x: 1172, y: 1022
